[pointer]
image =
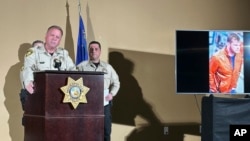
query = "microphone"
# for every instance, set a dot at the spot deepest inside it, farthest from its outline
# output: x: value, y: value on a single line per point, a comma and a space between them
x: 57, y: 64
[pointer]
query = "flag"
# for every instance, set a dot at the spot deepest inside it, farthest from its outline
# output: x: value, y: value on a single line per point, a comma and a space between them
x: 82, y: 49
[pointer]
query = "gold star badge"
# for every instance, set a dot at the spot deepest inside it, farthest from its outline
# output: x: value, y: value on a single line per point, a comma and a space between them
x: 75, y: 92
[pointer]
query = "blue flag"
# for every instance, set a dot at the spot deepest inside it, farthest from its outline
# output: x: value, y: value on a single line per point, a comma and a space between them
x: 82, y: 49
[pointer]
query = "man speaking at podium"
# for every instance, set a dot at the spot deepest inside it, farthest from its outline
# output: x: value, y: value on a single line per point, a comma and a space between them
x: 47, y: 57
x: 111, y: 81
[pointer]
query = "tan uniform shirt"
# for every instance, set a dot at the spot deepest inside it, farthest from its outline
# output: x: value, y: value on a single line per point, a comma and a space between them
x: 111, y: 79
x: 37, y: 59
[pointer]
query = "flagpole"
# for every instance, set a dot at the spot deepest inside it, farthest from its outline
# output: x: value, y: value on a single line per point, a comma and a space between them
x: 79, y: 7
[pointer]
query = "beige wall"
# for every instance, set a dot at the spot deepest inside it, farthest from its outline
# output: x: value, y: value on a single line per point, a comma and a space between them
x: 142, y: 30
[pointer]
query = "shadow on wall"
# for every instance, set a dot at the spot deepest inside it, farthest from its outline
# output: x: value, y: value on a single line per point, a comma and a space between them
x: 130, y: 102
x: 12, y: 102
x: 166, y: 132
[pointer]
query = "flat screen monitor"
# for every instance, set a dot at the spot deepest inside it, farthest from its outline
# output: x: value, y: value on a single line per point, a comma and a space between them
x: 212, y: 62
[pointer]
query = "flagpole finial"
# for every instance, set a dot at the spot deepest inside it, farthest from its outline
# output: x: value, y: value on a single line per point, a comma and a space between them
x: 67, y: 7
x: 79, y: 7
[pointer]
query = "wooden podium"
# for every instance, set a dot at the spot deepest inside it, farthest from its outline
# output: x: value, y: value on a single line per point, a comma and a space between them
x: 47, y: 118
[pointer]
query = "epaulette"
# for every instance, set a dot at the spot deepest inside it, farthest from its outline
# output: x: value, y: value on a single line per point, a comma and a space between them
x: 60, y: 48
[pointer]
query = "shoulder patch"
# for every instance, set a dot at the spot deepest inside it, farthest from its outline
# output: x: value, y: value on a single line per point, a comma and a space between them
x: 29, y: 52
x: 22, y: 68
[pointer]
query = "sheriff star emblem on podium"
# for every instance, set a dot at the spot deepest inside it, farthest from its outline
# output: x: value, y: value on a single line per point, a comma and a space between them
x: 75, y: 92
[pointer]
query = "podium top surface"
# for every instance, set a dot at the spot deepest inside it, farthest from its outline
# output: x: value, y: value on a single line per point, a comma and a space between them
x: 71, y: 72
